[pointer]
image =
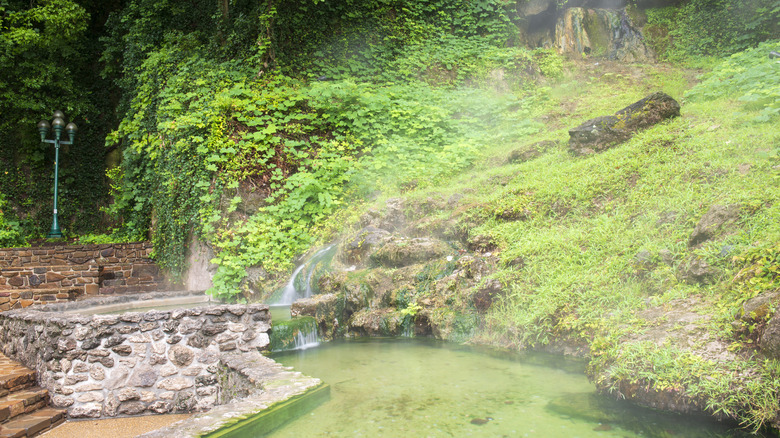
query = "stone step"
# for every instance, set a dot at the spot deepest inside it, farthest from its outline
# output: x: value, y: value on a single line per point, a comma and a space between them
x: 15, y: 379
x: 14, y: 376
x: 22, y: 402
x: 33, y: 423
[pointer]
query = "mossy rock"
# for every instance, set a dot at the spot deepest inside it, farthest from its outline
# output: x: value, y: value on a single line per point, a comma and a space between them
x: 377, y: 322
x: 604, y: 132
x: 284, y: 333
x: 403, y: 251
x: 327, y: 309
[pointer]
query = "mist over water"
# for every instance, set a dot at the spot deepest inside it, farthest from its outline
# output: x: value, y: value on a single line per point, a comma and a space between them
x: 435, y: 389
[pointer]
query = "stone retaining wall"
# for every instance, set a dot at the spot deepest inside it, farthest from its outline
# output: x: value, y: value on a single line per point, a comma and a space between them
x: 64, y: 272
x: 112, y: 253
x: 133, y: 363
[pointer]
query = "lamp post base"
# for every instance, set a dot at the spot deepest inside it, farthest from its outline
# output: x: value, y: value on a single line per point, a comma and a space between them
x: 54, y: 234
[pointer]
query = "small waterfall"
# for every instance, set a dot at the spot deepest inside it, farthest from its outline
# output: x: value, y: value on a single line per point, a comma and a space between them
x: 306, y: 338
x: 294, y: 334
x: 289, y: 294
x: 300, y: 286
x: 408, y: 331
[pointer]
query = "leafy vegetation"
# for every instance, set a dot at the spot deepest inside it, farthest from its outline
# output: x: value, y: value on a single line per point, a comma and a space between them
x: 712, y: 28
x: 203, y: 136
x: 47, y: 62
x: 10, y: 232
x: 748, y: 77
x: 264, y: 127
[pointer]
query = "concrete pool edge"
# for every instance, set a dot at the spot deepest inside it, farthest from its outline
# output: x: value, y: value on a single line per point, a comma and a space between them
x: 278, y: 395
x: 276, y: 415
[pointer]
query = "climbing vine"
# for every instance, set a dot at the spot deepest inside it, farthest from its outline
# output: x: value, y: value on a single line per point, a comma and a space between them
x: 254, y: 152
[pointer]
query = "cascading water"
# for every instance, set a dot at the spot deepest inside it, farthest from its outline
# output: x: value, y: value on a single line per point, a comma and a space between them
x: 300, y: 287
x: 298, y: 333
x: 306, y: 337
x: 294, y: 334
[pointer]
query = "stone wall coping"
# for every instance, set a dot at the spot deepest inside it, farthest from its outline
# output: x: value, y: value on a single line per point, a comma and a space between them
x: 53, y: 268
x: 37, y: 314
x: 89, y: 246
x: 139, y: 361
x: 105, y: 300
x: 273, y: 382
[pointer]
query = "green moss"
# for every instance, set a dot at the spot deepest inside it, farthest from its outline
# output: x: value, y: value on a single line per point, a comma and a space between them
x: 274, y: 416
x: 283, y: 333
x: 598, y: 33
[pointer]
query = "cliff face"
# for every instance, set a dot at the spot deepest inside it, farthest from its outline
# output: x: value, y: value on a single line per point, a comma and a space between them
x: 606, y: 28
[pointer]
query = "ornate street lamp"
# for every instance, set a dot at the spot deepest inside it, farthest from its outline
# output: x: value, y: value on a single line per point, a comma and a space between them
x: 58, y: 123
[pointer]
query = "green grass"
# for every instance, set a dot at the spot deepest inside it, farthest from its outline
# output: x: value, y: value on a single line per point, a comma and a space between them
x: 585, y: 220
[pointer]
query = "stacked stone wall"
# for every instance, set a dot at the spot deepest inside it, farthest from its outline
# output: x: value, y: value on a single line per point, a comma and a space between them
x: 134, y: 363
x: 112, y: 253
x: 65, y: 272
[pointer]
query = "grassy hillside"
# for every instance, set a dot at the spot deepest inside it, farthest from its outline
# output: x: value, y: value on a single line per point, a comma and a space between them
x: 264, y: 129
x: 594, y: 252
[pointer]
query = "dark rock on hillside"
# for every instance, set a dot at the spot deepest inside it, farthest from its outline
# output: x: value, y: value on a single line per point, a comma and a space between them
x: 769, y: 343
x: 530, y: 152
x: 486, y: 295
x: 357, y: 248
x: 604, y: 132
x: 713, y: 222
x: 696, y: 270
x: 760, y: 307
x: 754, y: 322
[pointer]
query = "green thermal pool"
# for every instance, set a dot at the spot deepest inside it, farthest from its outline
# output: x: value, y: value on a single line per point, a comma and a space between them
x: 426, y: 388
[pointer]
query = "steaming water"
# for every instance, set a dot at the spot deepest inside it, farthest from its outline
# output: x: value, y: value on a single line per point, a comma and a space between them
x: 290, y: 294
x: 279, y: 312
x: 425, y: 388
x: 295, y: 289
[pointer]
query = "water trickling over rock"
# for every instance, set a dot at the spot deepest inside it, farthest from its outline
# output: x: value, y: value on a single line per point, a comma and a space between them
x: 300, y: 284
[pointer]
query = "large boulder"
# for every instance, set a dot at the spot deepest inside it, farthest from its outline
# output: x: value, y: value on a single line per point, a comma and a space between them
x: 604, y: 132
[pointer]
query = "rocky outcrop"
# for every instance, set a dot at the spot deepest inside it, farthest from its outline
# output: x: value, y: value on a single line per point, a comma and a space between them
x: 604, y: 132
x: 403, y: 251
x: 713, y: 222
x: 377, y: 322
x: 530, y: 152
x: 607, y: 33
x: 390, y: 218
x: 355, y: 250
x: 326, y: 309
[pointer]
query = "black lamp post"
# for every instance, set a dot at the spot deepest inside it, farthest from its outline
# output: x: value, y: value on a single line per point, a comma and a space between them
x: 58, y: 123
